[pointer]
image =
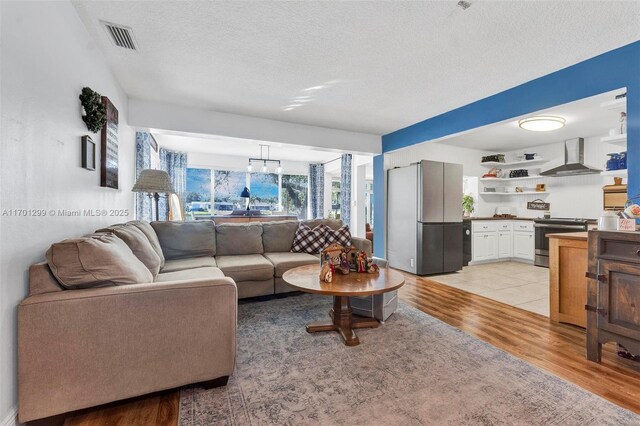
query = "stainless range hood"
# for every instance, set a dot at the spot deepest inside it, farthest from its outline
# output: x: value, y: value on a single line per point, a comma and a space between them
x: 573, y: 161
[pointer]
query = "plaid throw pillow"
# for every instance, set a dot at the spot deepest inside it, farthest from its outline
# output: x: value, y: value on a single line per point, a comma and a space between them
x: 341, y: 236
x: 309, y: 240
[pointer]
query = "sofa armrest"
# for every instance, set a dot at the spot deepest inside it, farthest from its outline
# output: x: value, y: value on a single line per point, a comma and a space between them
x: 362, y: 244
x: 81, y: 348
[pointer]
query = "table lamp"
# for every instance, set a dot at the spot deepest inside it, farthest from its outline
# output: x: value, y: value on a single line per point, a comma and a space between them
x: 246, y: 194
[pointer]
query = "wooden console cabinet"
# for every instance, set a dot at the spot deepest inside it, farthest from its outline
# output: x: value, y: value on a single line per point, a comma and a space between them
x: 613, y: 291
x: 568, y: 255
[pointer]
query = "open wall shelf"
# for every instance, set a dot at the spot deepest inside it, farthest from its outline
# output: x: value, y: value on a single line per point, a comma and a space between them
x: 513, y: 164
x: 511, y: 179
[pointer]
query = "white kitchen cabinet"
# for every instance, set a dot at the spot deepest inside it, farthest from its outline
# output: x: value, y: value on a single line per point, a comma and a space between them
x: 484, y: 246
x: 502, y: 240
x: 523, y: 245
x: 505, y: 244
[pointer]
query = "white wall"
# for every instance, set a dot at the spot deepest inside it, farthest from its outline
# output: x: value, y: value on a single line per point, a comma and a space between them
x: 469, y: 158
x: 152, y: 115
x: 239, y: 164
x: 570, y: 196
x: 47, y: 57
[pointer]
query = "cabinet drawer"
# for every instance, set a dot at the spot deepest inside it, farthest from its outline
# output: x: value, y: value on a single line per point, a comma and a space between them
x: 484, y: 226
x: 620, y: 248
x: 504, y: 226
x: 521, y: 225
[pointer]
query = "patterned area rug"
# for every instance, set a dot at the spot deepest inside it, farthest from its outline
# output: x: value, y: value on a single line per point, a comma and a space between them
x: 414, y: 369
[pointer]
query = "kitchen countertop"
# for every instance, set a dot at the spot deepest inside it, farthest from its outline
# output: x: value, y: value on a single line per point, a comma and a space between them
x: 580, y: 236
x: 498, y: 218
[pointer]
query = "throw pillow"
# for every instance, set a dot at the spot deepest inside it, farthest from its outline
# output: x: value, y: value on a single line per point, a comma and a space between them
x: 309, y: 240
x: 95, y: 261
x: 340, y: 236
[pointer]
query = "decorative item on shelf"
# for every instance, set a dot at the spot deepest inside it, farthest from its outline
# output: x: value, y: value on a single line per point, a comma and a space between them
x: 541, y: 187
x: 538, y: 204
x: 493, y: 173
x: 154, y: 182
x: 498, y: 158
x: 95, y: 111
x: 530, y: 156
x: 88, y: 153
x: 623, y: 122
x: 487, y: 189
x: 518, y: 173
x: 519, y: 189
x: 616, y: 161
x: 614, y: 197
x: 467, y: 205
x: 109, y: 147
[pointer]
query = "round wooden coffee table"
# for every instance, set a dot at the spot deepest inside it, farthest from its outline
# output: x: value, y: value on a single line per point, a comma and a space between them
x: 307, y: 279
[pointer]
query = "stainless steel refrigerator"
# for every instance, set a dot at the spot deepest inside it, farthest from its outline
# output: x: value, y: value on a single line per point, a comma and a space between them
x: 424, y: 217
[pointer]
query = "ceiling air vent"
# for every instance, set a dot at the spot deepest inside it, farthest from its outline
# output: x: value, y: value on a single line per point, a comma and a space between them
x: 120, y: 35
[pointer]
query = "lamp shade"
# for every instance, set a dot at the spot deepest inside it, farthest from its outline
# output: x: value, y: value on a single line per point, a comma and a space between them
x: 153, y: 181
x: 245, y: 193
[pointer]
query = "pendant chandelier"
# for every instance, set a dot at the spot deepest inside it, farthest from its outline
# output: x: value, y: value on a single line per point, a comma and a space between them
x: 265, y: 162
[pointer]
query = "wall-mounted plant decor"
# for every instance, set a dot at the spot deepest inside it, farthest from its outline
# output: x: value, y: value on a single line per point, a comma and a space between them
x: 95, y: 110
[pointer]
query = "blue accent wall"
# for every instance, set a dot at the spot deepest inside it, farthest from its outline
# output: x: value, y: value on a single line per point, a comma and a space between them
x: 612, y: 70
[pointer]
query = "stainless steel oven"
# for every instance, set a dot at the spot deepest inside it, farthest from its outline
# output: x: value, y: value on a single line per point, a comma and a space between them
x: 553, y: 226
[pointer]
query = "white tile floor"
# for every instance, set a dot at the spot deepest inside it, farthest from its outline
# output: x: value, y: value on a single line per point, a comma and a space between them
x: 514, y: 283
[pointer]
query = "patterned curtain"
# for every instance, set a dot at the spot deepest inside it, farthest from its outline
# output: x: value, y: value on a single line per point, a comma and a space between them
x: 345, y: 189
x: 174, y: 163
x: 316, y: 190
x: 143, y: 161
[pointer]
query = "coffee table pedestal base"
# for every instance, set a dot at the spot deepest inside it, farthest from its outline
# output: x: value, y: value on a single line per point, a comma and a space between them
x: 343, y: 321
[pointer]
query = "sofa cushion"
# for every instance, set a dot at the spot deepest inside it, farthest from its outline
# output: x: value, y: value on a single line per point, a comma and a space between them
x: 239, y: 238
x: 189, y: 263
x: 139, y: 245
x: 278, y: 236
x: 309, y: 240
x: 148, y: 230
x: 94, y: 261
x: 180, y: 240
x: 246, y: 267
x: 190, y: 274
x: 284, y: 261
x: 331, y: 223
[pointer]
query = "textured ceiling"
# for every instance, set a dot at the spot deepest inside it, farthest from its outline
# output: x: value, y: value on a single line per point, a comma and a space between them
x: 585, y: 118
x: 380, y: 65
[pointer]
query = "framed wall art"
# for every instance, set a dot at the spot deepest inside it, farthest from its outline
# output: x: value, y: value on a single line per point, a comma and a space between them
x: 88, y: 153
x: 109, y: 147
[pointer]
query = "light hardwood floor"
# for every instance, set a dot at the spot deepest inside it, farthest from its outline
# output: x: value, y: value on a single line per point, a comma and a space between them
x: 556, y: 348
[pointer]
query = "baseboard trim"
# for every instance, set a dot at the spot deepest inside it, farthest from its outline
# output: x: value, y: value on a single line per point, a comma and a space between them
x: 11, y: 419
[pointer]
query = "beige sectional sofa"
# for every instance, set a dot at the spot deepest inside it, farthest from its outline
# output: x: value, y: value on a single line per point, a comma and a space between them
x: 89, y: 346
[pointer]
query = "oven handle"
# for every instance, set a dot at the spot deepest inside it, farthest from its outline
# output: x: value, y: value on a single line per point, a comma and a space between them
x: 578, y: 227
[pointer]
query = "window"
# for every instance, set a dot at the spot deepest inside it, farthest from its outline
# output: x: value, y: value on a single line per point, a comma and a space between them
x: 368, y: 202
x: 335, y: 199
x: 264, y: 191
x: 198, y: 198
x: 294, y: 195
x: 228, y: 186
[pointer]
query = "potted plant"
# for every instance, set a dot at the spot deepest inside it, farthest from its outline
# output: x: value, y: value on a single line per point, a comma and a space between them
x: 467, y: 205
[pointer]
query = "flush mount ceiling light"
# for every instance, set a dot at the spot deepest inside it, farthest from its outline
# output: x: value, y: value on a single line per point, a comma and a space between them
x: 542, y: 123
